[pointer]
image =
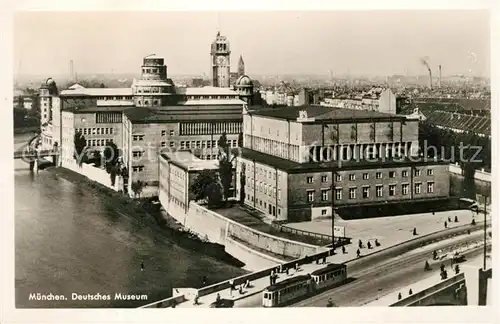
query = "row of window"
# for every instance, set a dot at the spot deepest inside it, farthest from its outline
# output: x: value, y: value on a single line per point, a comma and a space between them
x: 96, y: 131
x: 114, y: 98
x: 212, y: 97
x: 207, y: 128
x: 170, y: 132
x: 138, y: 168
x: 366, y: 176
x: 271, y: 209
x: 405, y: 187
x: 98, y: 142
x: 205, y: 144
x: 263, y: 187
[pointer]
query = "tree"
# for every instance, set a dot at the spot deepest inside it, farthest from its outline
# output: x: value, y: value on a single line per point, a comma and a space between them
x: 240, y: 139
x: 80, y: 144
x: 223, y: 144
x: 137, y: 187
x: 226, y: 158
x: 200, y: 184
x: 111, y: 155
x: 102, y: 85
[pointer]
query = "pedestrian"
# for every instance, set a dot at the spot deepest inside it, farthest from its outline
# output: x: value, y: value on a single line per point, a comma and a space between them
x: 297, y: 266
x: 369, y: 245
x: 217, y: 298
x: 142, y: 265
x: 414, y: 231
x: 449, y: 219
x: 358, y: 252
x: 445, y: 224
x: 410, y: 292
x: 468, y: 231
x: 343, y: 249
x: 473, y: 221
x: 196, y: 300
x: 270, y: 280
x: 457, y: 269
x: 399, y: 296
x: 241, y: 290
x: 456, y: 219
x: 360, y: 244
x: 442, y: 267
x: 377, y: 243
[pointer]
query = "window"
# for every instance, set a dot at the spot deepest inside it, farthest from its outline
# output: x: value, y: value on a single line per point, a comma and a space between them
x: 309, y: 179
x: 209, y: 144
x: 137, y: 154
x: 198, y: 144
x: 138, y: 168
x: 99, y: 131
x: 392, y: 190
x: 379, y: 189
x: 279, y: 193
x: 163, y: 133
x: 366, y: 176
x: 338, y: 193
x: 310, y: 195
x: 138, y: 137
x: 183, y: 145
x: 417, y: 172
x: 392, y: 174
x: 430, y: 172
x: 324, y: 178
x: 352, y: 177
x: 379, y: 175
x: 418, y: 188
x: 163, y: 144
x: 430, y: 187
x: 324, y: 212
x: 366, y: 192
x: 404, y: 188
x: 171, y: 132
x: 352, y: 193
x: 188, y: 144
x: 338, y: 177
x: 324, y: 194
x: 404, y: 174
x: 111, y: 131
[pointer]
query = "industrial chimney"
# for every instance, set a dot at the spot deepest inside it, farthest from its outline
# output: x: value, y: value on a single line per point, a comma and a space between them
x: 439, y: 81
x: 430, y: 79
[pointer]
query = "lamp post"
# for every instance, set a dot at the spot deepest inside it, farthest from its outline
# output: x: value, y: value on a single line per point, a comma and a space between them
x: 333, y: 210
x: 484, y: 199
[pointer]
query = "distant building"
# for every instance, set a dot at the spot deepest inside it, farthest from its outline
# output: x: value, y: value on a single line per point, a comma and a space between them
x: 241, y: 67
x: 300, y: 162
x: 459, y: 123
x: 197, y: 82
x: 221, y: 62
x: 377, y: 99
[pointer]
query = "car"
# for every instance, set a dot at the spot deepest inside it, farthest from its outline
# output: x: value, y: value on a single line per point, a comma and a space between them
x: 222, y: 303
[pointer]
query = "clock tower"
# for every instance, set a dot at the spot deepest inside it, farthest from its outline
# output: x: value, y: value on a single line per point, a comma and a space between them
x: 221, y: 63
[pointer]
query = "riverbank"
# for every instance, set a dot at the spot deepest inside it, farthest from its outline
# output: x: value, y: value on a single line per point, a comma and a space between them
x: 144, y: 213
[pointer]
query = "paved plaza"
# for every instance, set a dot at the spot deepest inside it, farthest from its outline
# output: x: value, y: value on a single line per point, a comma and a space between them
x: 390, y: 230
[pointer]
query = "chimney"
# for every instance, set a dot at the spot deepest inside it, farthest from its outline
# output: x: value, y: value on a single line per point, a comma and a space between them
x: 439, y: 80
x: 430, y: 79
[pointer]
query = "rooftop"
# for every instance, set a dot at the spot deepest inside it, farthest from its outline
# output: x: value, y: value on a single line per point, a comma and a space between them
x: 141, y: 115
x: 189, y: 162
x: 322, y: 113
x: 92, y: 109
x: 97, y: 92
x: 206, y: 91
x: 212, y: 102
x: 476, y: 124
x: 295, y: 167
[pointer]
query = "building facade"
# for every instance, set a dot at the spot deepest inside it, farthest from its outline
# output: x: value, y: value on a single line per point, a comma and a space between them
x: 295, y: 159
x: 221, y: 62
x: 381, y: 100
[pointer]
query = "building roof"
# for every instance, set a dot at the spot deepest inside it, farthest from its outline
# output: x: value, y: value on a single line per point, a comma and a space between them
x: 92, y: 109
x: 203, y: 102
x: 159, y: 83
x: 323, y: 113
x: 76, y: 86
x: 97, y: 92
x: 295, y: 167
x: 142, y: 115
x: 189, y: 162
x: 192, y: 91
x: 475, y: 124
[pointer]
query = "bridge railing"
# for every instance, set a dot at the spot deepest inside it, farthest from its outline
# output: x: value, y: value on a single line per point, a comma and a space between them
x: 339, y: 241
x: 415, y: 298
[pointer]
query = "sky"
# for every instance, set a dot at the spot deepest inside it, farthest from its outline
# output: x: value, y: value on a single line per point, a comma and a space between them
x: 271, y: 43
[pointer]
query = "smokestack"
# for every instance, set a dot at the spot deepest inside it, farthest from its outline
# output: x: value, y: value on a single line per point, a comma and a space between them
x: 439, y: 80
x: 424, y: 62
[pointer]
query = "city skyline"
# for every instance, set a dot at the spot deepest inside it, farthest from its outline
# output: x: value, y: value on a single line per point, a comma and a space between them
x: 271, y: 43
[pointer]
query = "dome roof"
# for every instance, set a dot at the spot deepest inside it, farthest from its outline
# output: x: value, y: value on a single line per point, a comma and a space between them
x: 244, y: 80
x: 49, y: 81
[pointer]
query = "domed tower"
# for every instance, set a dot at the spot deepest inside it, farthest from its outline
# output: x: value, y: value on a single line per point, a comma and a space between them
x: 244, y: 86
x: 221, y: 64
x: 154, y: 89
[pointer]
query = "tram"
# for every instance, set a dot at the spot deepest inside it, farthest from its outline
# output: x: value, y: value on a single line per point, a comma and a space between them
x: 296, y: 288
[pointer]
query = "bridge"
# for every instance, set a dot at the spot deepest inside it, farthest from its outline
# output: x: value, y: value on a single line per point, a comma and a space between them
x: 32, y: 154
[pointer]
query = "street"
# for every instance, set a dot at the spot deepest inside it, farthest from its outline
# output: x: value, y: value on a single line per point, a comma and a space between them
x: 372, y: 280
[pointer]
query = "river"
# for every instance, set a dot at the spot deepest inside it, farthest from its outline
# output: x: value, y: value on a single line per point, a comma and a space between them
x: 67, y: 240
